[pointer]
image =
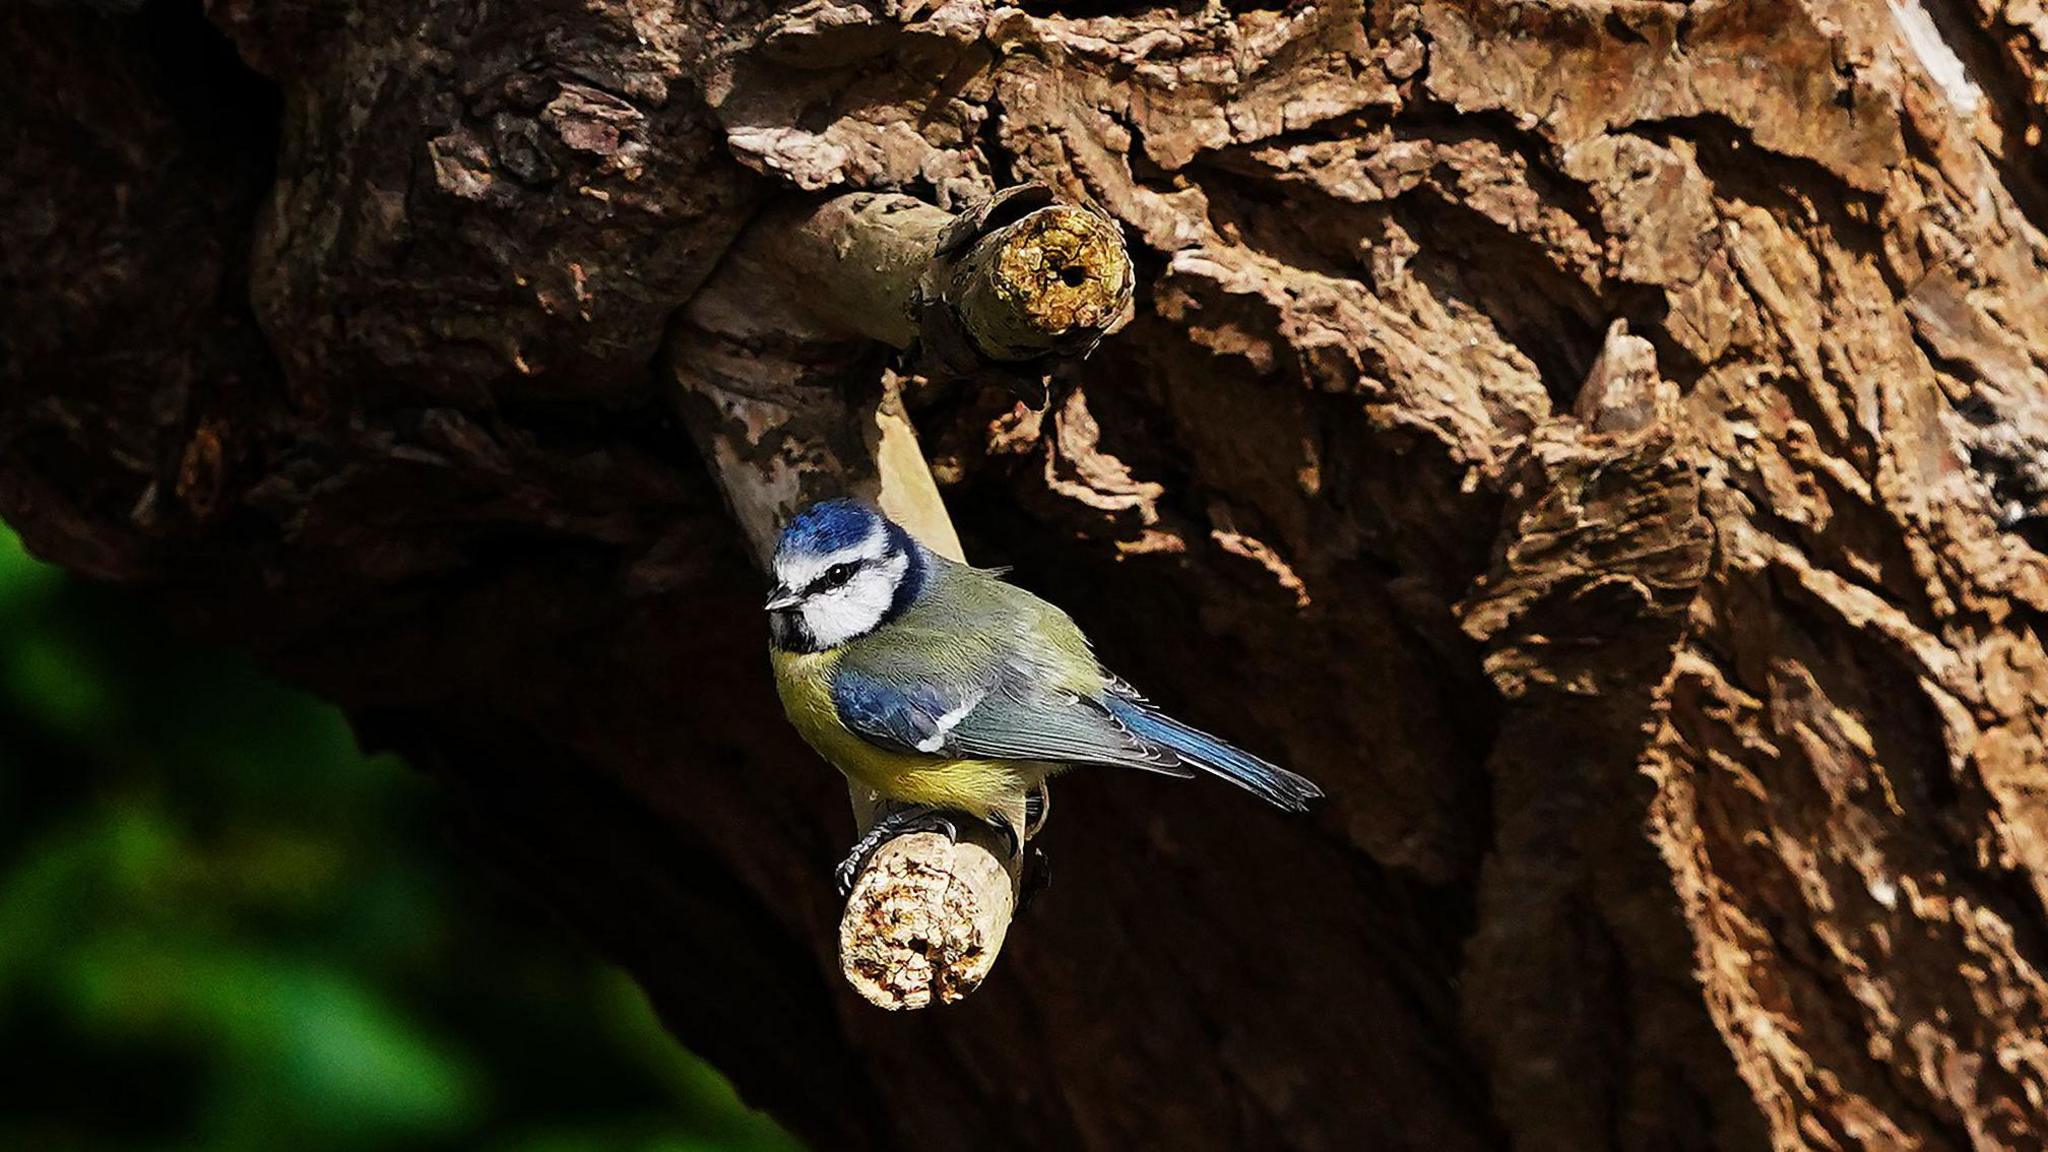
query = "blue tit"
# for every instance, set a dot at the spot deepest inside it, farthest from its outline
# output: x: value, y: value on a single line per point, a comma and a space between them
x: 944, y: 689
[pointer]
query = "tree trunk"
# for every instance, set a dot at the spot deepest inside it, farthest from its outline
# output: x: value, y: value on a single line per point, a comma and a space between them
x: 1604, y: 444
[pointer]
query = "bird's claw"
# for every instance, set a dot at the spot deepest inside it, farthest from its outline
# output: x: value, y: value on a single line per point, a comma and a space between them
x: 1037, y: 807
x: 1036, y: 872
x: 890, y: 826
x: 848, y: 871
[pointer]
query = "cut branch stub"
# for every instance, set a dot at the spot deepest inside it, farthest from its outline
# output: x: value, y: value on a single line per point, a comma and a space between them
x: 926, y: 920
x: 1018, y: 283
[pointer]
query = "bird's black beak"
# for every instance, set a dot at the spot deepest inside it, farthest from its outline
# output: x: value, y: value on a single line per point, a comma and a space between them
x: 782, y: 597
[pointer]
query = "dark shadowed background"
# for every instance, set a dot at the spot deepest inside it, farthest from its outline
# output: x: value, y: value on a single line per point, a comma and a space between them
x: 224, y: 927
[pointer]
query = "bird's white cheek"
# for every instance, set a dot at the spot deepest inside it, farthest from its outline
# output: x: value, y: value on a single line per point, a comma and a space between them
x: 849, y: 612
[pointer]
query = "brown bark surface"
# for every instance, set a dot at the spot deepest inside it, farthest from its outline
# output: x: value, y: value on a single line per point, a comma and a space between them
x: 1601, y: 443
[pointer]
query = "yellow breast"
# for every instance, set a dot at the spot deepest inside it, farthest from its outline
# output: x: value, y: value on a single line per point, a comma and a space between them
x: 980, y: 787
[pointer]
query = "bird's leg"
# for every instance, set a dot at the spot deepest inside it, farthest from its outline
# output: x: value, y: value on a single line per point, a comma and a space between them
x: 1037, y: 806
x: 892, y: 824
x: 1012, y: 843
x: 1034, y: 870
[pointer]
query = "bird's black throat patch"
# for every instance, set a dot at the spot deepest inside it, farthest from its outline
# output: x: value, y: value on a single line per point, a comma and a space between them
x: 788, y: 632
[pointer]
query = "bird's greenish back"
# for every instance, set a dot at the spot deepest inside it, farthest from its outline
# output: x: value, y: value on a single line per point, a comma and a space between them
x: 968, y: 622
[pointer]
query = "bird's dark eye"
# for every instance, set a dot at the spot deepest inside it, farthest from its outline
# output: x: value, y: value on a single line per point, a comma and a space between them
x: 836, y: 575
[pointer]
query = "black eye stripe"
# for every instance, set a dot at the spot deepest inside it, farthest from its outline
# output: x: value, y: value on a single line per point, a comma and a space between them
x: 833, y: 577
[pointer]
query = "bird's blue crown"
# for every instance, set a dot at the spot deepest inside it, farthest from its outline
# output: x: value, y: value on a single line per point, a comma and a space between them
x: 826, y: 527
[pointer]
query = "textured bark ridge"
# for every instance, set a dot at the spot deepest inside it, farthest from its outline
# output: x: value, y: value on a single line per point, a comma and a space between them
x: 1600, y: 443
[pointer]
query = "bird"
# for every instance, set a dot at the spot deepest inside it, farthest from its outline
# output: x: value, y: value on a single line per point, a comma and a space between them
x: 950, y: 693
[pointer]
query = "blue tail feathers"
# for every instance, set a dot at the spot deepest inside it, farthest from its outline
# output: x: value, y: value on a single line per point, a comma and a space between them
x: 1269, y: 782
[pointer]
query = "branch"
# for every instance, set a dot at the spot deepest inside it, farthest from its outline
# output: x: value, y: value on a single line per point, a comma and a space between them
x: 776, y: 371
x: 927, y: 918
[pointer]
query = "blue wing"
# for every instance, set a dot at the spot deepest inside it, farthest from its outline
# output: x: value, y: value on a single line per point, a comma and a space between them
x: 1268, y: 781
x: 1004, y: 714
x: 899, y: 717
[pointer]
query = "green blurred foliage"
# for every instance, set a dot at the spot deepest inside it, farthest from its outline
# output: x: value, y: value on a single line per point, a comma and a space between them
x: 223, y: 927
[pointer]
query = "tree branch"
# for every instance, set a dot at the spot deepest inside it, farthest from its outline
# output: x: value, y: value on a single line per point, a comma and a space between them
x: 774, y: 362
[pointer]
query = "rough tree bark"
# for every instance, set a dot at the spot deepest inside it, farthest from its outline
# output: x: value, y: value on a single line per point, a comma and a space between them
x: 1602, y: 443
